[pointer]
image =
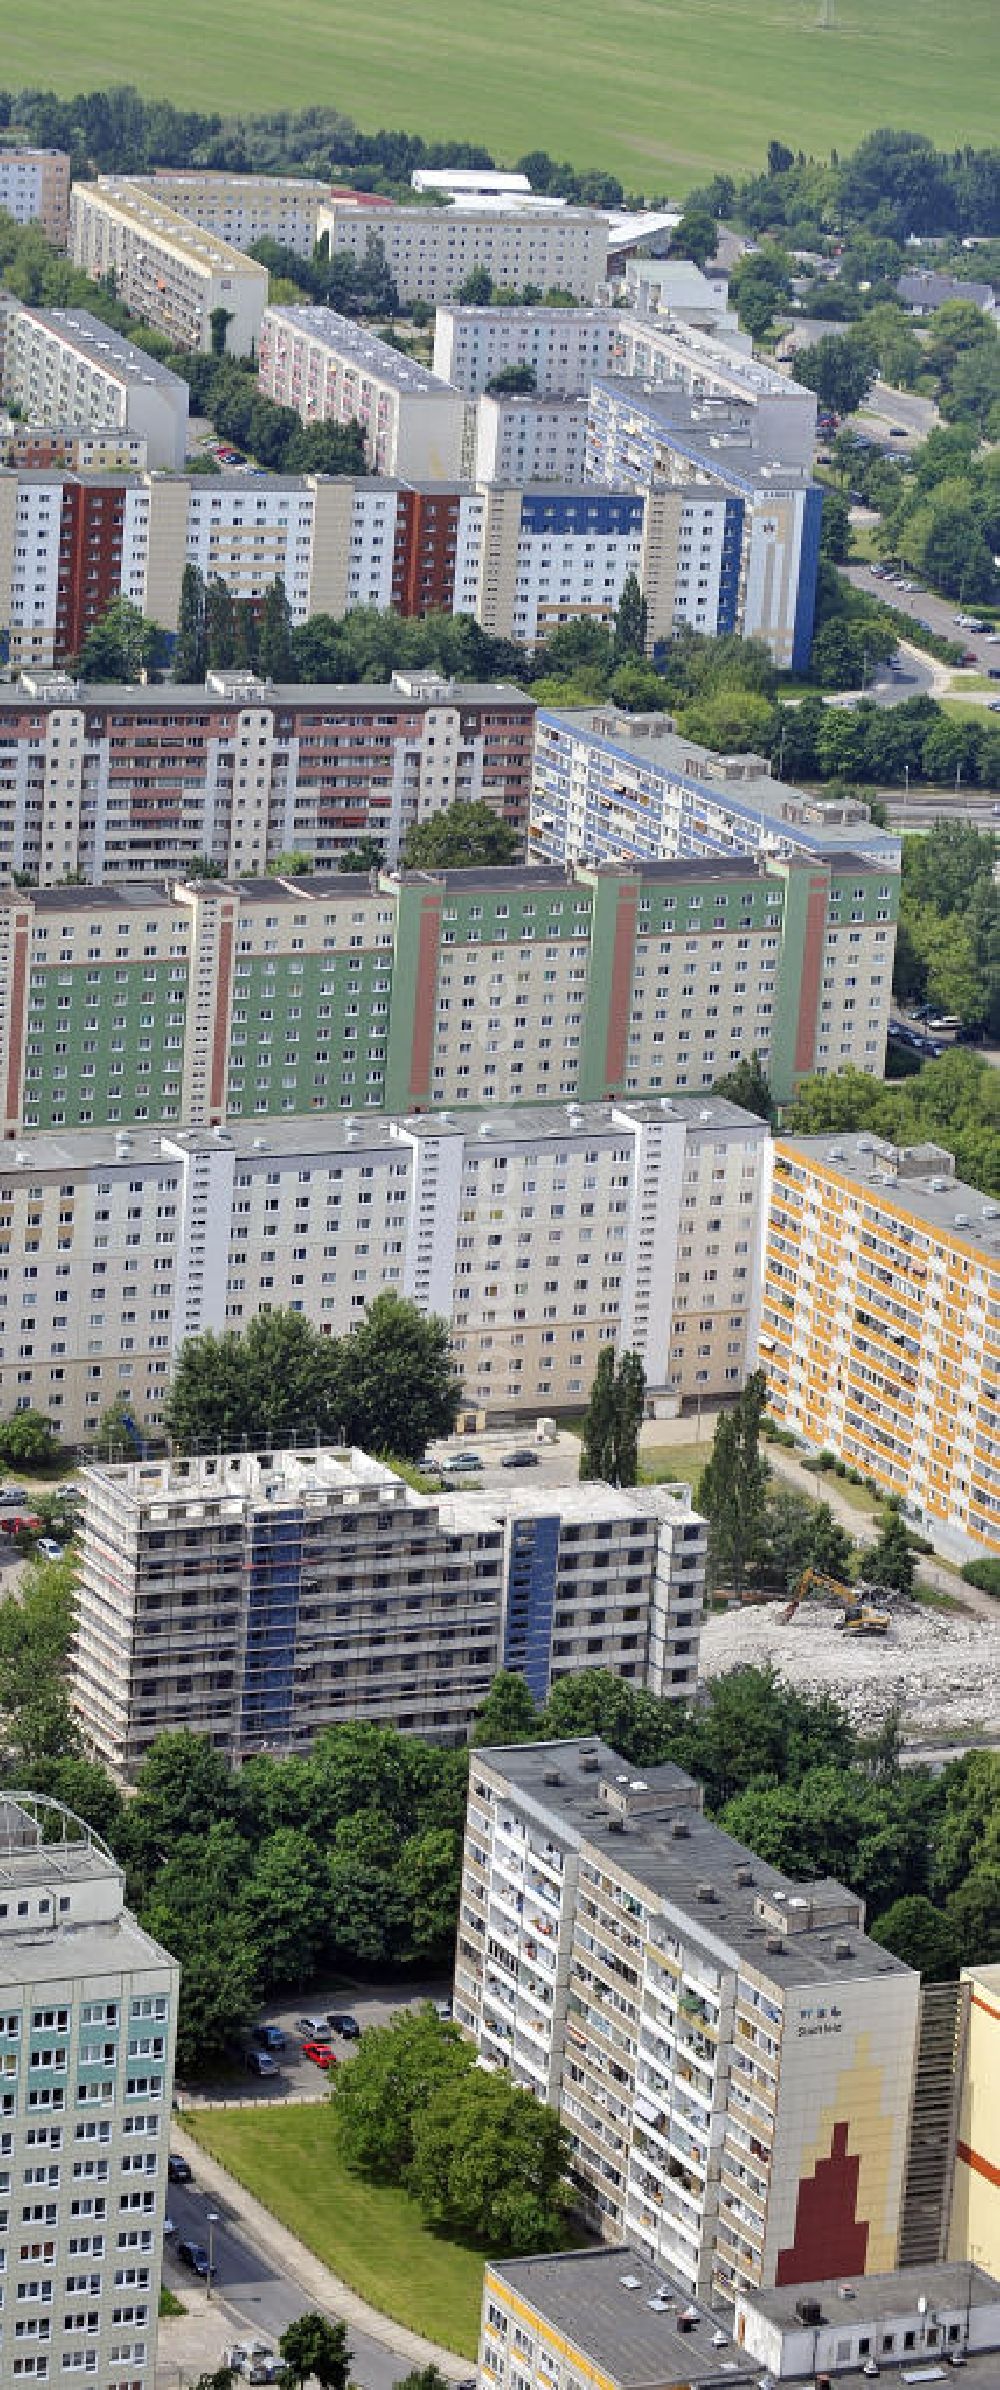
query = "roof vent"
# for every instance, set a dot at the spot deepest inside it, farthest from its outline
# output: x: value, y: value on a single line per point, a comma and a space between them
x: 706, y: 1892
x: 589, y: 1762
x: 743, y: 1875
x: 843, y: 1950
x: 630, y: 2281
x: 551, y: 1776
x: 809, y: 2311
x: 680, y: 1830
x: 774, y: 1943
x: 260, y: 1145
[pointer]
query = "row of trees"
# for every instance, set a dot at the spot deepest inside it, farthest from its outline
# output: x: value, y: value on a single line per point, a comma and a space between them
x: 483, y: 2158
x: 390, y: 1386
x: 893, y: 185
x: 761, y: 1534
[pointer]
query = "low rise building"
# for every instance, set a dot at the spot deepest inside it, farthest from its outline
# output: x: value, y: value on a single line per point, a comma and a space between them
x: 63, y: 366
x: 540, y: 1234
x: 564, y: 347
x: 124, y: 781
x: 732, y: 2058
x: 43, y: 445
x: 610, y: 2318
x: 328, y: 1590
x: 88, y: 2030
x: 515, y: 985
x: 34, y: 189
x: 430, y: 251
x: 676, y: 288
x: 167, y: 270
x: 331, y: 369
x: 880, y: 1326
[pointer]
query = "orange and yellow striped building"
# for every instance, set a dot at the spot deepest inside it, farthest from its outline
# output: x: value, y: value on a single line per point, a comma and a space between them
x: 880, y: 1325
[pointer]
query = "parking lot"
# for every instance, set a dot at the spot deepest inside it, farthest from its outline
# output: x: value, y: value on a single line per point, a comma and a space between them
x: 299, y: 2077
x: 551, y: 1464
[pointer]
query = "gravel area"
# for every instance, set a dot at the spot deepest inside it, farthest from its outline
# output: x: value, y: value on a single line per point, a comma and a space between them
x: 943, y: 1674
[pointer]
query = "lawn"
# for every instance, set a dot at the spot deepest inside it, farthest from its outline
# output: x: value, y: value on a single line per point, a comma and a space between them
x: 373, y: 2236
x: 662, y: 1464
x: 659, y: 91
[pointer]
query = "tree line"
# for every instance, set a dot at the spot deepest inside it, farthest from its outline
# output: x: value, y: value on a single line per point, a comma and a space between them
x: 954, y: 1102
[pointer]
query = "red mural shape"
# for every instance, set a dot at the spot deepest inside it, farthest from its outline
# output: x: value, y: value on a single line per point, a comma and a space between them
x: 830, y: 2237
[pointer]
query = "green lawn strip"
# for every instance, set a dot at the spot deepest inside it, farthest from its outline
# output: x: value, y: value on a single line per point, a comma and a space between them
x: 371, y: 2234
x: 169, y: 2305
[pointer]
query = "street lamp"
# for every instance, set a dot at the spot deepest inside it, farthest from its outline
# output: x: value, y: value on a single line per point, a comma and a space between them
x: 211, y: 2220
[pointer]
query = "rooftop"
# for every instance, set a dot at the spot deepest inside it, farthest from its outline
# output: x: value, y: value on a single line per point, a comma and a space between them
x: 105, y: 347
x: 916, y: 1180
x: 339, y: 1133
x: 880, y: 2297
x: 714, y: 356
x: 621, y: 2317
x: 747, y: 1912
x: 36, y: 690
x: 566, y: 318
x: 347, y: 338
x: 704, y: 430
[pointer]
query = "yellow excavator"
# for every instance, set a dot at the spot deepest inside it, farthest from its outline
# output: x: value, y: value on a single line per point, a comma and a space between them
x: 859, y: 1616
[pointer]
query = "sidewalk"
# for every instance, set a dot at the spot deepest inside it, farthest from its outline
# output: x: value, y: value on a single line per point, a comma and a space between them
x: 193, y: 2343
x: 319, y: 2286
x: 822, y: 1486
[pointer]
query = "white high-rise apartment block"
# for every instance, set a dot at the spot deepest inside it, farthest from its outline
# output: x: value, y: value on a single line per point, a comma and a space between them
x: 731, y: 2056
x: 88, y: 2008
x: 430, y: 250
x: 541, y: 1234
x: 241, y: 208
x: 564, y: 346
x: 34, y: 188
x: 521, y: 438
x: 259, y: 1598
x: 65, y: 367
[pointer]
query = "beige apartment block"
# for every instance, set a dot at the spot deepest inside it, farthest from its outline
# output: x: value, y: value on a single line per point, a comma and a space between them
x: 732, y: 2058
x: 260, y: 1598
x: 87, y: 2032
x: 540, y: 1234
x: 166, y: 269
x: 243, y: 208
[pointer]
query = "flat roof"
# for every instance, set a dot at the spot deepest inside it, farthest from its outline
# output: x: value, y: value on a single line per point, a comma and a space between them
x: 530, y: 210
x: 694, y: 1876
x: 472, y: 317
x: 711, y: 352
x: 620, y: 2315
x: 879, y: 2297
x: 241, y: 696
x: 109, y: 1947
x: 689, y: 424
x: 917, y: 1179
x: 85, y: 333
x: 345, y: 1134
x: 347, y: 338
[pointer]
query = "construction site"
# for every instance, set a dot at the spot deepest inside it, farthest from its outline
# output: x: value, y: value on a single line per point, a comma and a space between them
x: 940, y: 1670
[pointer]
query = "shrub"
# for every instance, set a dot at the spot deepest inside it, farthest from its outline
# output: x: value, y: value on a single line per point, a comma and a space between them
x: 985, y: 1574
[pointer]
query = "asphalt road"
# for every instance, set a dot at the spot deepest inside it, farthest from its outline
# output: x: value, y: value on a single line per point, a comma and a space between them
x: 899, y: 409
x: 920, y: 811
x: 938, y: 612
x: 257, y: 2298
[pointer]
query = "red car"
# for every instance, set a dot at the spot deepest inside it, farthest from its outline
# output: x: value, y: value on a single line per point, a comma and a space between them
x: 318, y: 2055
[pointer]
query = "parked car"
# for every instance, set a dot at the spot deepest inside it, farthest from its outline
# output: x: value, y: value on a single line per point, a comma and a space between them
x: 192, y: 2254
x: 520, y: 1460
x: 169, y: 2228
x: 464, y: 1460
x: 13, y: 1520
x: 178, y: 2170
x: 255, y: 2362
x: 14, y: 1493
x: 49, y: 1548
x: 319, y: 2054
x: 344, y: 2024
x: 269, y: 2037
x: 313, y: 2028
x: 260, y: 2062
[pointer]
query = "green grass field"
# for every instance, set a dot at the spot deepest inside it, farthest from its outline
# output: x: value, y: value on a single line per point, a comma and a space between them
x: 372, y: 2236
x: 660, y: 91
